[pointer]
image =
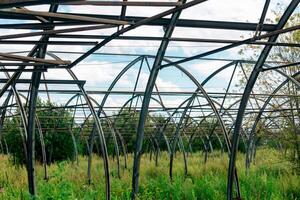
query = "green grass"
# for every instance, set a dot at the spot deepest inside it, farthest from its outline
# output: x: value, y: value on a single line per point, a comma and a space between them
x: 270, y: 178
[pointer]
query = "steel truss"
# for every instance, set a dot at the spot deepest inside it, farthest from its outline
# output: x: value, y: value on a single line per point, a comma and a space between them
x: 229, y: 111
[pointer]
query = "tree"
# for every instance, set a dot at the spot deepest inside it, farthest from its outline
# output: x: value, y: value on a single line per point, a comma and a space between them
x: 54, y: 122
x: 287, y: 119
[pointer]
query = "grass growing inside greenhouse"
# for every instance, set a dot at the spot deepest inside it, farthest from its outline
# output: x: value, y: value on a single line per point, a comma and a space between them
x: 270, y: 178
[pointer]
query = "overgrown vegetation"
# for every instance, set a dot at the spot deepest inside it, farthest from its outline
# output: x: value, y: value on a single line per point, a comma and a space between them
x: 52, y: 124
x: 270, y: 178
x: 288, y: 134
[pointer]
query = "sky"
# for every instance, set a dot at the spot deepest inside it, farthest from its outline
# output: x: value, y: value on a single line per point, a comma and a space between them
x: 100, y: 70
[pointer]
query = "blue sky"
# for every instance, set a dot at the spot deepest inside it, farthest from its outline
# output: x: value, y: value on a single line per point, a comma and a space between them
x: 99, y: 71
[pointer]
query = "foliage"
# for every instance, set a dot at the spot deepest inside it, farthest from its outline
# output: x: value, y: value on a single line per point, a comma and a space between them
x: 270, y: 178
x: 54, y: 122
x: 287, y: 119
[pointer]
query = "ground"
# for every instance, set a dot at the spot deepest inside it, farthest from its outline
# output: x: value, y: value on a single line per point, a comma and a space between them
x: 271, y: 177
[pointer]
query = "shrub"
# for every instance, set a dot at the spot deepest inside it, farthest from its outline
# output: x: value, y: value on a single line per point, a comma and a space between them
x: 55, y: 130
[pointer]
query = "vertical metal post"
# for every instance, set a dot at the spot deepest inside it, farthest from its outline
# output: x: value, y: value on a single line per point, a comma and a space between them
x: 146, y: 101
x: 252, y: 79
x: 36, y: 77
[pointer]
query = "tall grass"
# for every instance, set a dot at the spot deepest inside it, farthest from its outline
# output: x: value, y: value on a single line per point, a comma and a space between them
x: 270, y: 178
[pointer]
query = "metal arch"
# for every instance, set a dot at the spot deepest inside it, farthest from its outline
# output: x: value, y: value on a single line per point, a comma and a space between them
x: 93, y: 131
x: 212, y: 75
x: 208, y: 99
x: 288, y: 78
x: 21, y: 134
x: 113, y: 134
x: 31, y: 131
x: 179, y: 107
x: 195, y: 81
x: 199, y: 126
x: 22, y: 114
x: 152, y: 71
x: 132, y: 63
x: 156, y: 100
x: 3, y: 113
x: 219, y: 140
x: 161, y: 132
x: 98, y: 127
x: 25, y: 124
x: 100, y: 133
x: 141, y: 58
x: 236, y: 102
x: 113, y: 131
x: 132, y: 23
x: 200, y: 88
x: 118, y: 77
x: 242, y: 129
x: 104, y: 100
x: 247, y: 91
x: 225, y: 110
x: 38, y: 124
x: 71, y: 126
x: 170, y: 116
x: 251, y: 144
x: 206, y: 96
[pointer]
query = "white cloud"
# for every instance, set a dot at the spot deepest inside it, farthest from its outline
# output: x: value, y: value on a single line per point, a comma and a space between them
x: 100, y: 73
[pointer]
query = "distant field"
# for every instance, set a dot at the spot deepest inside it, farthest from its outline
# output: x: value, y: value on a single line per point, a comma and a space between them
x: 270, y: 178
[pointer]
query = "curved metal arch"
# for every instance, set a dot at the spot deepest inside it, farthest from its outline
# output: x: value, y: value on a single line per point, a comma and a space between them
x: 146, y: 100
x: 162, y: 131
x: 42, y: 141
x: 25, y: 123
x: 250, y: 84
x: 154, y: 99
x: 21, y: 133
x: 213, y: 73
x: 22, y: 114
x: 118, y: 134
x: 199, y: 126
x: 230, y: 106
x: 132, y: 63
x: 166, y: 60
x: 267, y: 101
x: 2, y: 119
x: 246, y: 143
x: 208, y: 99
x: 216, y: 72
x: 98, y: 127
x: 225, y: 110
x: 71, y: 127
x: 236, y: 102
x: 100, y: 133
x: 113, y: 131
x: 195, y: 81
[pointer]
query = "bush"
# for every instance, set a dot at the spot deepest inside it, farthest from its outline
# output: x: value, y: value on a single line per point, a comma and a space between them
x: 57, y: 137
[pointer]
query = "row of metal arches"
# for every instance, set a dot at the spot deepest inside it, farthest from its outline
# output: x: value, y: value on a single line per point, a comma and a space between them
x: 177, y: 133
x: 232, y: 175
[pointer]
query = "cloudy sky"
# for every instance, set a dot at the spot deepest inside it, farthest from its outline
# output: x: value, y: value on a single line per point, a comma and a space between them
x: 100, y: 70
